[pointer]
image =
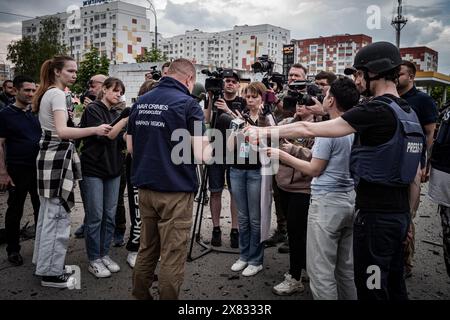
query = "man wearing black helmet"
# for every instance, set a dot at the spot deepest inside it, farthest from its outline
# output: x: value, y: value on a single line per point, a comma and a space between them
x: 383, y: 162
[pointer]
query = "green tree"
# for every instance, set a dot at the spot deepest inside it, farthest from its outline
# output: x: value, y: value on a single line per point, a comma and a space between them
x: 154, y: 55
x: 92, y: 64
x: 437, y: 93
x: 29, y: 54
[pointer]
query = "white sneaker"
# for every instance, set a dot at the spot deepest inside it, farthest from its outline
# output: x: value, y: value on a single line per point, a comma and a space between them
x: 98, y: 269
x: 131, y: 259
x: 110, y: 264
x: 238, y: 265
x: 251, y: 270
x: 288, y: 286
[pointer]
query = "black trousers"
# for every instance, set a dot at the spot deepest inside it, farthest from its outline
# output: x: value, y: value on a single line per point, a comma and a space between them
x: 25, y: 180
x: 378, y: 251
x: 296, y: 206
x: 135, y: 216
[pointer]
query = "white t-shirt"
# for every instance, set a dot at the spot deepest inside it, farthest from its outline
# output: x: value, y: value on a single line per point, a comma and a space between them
x: 53, y: 100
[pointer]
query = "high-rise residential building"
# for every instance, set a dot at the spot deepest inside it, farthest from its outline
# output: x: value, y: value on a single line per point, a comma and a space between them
x: 425, y: 59
x: 333, y: 53
x: 237, y: 48
x: 5, y: 72
x: 119, y: 30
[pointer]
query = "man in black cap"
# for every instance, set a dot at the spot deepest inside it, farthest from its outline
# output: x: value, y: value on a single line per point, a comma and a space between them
x: 384, y: 161
x: 218, y: 172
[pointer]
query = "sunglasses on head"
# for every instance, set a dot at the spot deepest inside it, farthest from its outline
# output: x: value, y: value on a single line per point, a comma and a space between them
x: 91, y: 82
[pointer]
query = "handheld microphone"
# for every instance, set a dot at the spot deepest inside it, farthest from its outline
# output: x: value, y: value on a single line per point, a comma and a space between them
x: 125, y: 113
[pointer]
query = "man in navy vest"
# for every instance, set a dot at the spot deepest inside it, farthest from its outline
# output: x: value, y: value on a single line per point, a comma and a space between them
x: 162, y: 120
x: 384, y: 161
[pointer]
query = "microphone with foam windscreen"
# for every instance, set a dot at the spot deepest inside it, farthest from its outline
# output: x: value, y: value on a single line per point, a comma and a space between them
x: 125, y: 113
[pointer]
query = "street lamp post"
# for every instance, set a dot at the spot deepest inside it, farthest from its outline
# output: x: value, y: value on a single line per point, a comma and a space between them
x: 152, y: 9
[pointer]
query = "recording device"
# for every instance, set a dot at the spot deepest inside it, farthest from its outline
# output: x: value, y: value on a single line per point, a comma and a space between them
x: 237, y: 124
x: 301, y: 93
x: 214, y: 83
x: 156, y: 74
x: 87, y: 94
x: 264, y: 65
x: 125, y: 113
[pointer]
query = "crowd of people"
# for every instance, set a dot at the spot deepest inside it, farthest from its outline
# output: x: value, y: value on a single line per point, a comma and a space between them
x: 346, y: 191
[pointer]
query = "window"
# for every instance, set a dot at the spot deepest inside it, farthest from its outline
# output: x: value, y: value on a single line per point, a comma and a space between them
x: 134, y: 21
x: 130, y: 49
x: 138, y: 39
x: 97, y: 35
x: 103, y: 35
x: 103, y: 26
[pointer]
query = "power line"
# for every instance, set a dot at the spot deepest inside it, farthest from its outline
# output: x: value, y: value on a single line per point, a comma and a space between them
x: 15, y: 14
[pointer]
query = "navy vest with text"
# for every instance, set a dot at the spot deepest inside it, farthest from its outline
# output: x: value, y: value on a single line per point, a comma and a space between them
x: 395, y: 162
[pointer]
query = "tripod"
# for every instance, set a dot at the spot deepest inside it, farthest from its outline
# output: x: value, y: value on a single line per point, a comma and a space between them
x: 202, y: 199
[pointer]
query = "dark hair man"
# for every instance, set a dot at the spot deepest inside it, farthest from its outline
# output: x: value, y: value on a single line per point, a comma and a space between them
x: 218, y: 172
x: 323, y: 80
x: 427, y: 112
x: 8, y: 94
x: 20, y: 132
x: 166, y: 189
x: 165, y: 68
x: 384, y: 161
x: 329, y: 254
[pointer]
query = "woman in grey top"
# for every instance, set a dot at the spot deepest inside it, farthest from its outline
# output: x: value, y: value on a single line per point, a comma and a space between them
x: 58, y: 169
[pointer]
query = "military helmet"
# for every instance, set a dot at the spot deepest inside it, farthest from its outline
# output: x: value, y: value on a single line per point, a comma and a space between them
x: 378, y: 57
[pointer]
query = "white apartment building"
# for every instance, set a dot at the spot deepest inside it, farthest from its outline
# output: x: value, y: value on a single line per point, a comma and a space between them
x: 236, y: 48
x: 119, y: 30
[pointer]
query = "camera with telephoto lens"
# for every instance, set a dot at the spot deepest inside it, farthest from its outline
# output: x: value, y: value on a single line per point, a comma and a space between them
x: 214, y: 83
x: 156, y: 74
x: 264, y: 65
x: 301, y: 93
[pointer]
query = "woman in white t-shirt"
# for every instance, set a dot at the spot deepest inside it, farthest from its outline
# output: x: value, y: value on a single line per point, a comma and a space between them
x: 58, y: 170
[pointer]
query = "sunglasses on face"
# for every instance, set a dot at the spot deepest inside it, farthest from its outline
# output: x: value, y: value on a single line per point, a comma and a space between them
x: 230, y: 81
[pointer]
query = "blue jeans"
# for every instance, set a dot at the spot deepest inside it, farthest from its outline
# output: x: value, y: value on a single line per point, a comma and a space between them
x: 100, y: 203
x: 246, y: 186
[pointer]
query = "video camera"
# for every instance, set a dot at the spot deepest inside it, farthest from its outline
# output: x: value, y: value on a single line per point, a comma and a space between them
x: 214, y: 83
x: 156, y: 74
x: 301, y: 93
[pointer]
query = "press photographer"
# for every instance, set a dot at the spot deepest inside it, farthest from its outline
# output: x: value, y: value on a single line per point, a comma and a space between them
x: 222, y: 87
x: 94, y: 86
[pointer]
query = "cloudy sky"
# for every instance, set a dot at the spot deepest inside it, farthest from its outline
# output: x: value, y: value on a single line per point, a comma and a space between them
x: 428, y: 25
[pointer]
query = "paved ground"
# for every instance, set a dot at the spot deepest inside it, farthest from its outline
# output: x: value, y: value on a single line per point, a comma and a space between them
x: 210, y: 277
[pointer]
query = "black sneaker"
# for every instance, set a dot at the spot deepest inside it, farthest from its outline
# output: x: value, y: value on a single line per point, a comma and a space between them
x: 216, y: 239
x: 234, y: 238
x: 284, y: 248
x: 79, y: 233
x: 63, y: 281
x: 276, y: 237
x: 15, y: 258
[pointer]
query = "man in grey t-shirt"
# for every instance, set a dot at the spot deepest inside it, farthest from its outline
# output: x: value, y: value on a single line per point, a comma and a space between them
x: 329, y: 251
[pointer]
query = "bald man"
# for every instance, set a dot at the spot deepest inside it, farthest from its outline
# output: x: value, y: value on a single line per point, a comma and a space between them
x: 95, y: 85
x: 166, y: 189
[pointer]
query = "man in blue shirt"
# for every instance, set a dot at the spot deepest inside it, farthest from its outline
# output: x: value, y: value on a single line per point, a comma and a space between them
x: 166, y: 124
x: 427, y: 112
x: 20, y: 132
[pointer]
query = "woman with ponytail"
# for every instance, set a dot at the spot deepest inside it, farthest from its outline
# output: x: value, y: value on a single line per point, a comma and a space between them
x: 58, y: 169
